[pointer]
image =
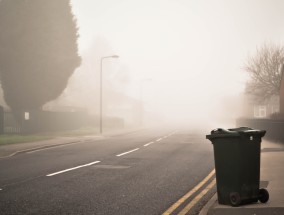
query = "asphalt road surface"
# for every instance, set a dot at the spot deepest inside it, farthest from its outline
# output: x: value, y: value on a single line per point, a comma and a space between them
x: 145, y: 172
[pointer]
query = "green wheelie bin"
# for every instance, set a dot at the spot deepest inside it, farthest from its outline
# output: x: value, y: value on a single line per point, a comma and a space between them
x: 237, y: 165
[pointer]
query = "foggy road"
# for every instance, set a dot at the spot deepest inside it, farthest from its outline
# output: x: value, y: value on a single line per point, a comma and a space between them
x: 139, y: 173
x: 86, y: 67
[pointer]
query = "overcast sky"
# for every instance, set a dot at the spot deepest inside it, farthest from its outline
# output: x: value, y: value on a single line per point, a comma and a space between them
x: 192, y: 50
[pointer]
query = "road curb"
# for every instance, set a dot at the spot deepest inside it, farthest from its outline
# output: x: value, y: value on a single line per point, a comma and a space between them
x: 66, y: 143
x: 209, y: 205
x: 38, y: 148
x: 52, y: 145
x: 123, y: 133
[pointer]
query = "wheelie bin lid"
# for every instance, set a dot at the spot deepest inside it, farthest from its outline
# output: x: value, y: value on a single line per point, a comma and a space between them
x: 235, y: 132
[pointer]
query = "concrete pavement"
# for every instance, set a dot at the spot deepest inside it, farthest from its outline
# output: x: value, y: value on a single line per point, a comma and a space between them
x: 271, y: 178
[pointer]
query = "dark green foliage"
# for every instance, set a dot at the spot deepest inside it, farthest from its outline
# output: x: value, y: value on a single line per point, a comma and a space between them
x: 38, y: 51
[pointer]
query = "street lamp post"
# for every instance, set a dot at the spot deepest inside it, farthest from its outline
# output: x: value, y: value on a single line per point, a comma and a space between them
x: 101, y: 91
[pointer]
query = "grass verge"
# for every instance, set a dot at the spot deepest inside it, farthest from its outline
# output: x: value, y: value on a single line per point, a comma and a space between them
x: 11, y: 139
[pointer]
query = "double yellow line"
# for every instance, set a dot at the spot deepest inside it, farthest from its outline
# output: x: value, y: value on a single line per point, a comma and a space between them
x: 190, y: 193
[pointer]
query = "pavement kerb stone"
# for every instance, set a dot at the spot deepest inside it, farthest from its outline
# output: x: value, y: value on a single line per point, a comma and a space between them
x: 208, y: 205
x: 14, y: 149
x: 58, y: 141
x: 37, y: 148
x: 119, y: 133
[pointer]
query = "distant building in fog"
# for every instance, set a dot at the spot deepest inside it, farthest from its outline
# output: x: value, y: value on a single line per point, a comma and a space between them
x: 267, y: 108
x: 259, y: 109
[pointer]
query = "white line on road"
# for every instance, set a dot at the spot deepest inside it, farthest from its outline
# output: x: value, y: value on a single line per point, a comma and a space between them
x: 77, y: 167
x: 0, y: 189
x: 124, y: 153
x: 159, y: 139
x: 148, y: 144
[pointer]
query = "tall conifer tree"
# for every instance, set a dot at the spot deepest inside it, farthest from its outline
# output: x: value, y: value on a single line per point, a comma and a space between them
x: 38, y: 51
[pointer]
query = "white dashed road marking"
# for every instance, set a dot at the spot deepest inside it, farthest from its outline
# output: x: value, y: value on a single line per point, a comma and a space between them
x: 124, y: 153
x: 77, y: 167
x: 148, y: 144
x: 95, y: 162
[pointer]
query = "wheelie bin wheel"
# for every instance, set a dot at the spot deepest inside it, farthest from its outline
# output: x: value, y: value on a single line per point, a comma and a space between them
x: 235, y: 199
x: 263, y: 195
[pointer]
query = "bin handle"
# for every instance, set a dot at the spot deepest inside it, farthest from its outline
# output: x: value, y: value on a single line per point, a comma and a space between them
x: 218, y: 130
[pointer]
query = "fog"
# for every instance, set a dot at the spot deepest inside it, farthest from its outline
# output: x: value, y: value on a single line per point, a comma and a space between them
x: 183, y: 59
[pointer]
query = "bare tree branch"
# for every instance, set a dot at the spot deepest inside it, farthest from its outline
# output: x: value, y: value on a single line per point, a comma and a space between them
x: 264, y: 72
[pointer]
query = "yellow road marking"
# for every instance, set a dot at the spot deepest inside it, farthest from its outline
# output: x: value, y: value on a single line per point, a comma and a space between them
x: 186, y: 196
x: 197, y: 198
